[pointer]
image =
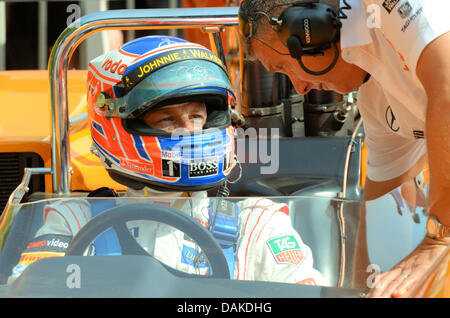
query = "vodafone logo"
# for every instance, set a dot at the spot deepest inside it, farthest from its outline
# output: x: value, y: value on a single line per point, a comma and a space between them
x: 113, y: 67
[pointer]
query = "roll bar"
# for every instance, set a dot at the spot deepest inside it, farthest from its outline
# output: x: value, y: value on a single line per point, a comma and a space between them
x: 74, y: 34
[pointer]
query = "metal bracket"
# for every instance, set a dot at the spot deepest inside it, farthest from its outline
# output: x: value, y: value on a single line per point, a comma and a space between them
x: 18, y: 194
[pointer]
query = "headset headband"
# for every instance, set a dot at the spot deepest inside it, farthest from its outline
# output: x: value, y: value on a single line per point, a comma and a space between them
x: 305, y: 28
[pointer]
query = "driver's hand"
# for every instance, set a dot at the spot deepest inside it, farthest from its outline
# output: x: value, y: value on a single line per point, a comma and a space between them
x: 399, y: 280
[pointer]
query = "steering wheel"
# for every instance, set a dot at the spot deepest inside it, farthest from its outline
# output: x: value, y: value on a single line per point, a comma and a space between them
x: 117, y: 217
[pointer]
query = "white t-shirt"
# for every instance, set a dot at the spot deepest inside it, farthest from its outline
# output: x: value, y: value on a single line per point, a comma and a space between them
x: 386, y: 38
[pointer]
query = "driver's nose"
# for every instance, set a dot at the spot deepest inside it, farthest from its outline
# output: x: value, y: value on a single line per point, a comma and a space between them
x: 188, y: 124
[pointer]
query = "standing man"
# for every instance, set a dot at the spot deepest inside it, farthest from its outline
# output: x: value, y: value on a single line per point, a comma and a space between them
x: 396, y: 53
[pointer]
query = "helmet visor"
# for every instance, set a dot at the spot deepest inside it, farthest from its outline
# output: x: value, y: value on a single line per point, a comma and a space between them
x: 185, y: 78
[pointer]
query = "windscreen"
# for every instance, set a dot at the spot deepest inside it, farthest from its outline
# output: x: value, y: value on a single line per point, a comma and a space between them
x: 302, y: 234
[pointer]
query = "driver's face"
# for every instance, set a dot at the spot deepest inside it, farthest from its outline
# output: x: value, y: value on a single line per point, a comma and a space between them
x: 189, y: 116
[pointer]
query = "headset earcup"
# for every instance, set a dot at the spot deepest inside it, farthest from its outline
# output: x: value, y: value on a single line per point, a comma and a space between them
x: 295, y: 46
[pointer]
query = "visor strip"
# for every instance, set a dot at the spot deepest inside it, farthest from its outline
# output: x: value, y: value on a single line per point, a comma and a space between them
x: 148, y: 67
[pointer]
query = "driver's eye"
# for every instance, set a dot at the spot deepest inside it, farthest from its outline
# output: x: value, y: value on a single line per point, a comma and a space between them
x: 197, y: 119
x: 165, y: 120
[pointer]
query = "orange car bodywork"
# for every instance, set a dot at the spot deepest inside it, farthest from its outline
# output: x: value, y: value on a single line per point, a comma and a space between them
x: 26, y: 125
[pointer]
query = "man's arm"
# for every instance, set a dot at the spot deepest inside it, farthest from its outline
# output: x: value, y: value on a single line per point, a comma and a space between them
x: 433, y: 70
x: 374, y: 190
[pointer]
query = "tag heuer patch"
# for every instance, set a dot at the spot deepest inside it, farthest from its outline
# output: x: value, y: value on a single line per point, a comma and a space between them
x: 286, y: 250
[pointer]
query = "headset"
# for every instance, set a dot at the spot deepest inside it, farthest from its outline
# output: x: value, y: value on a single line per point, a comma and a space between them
x: 305, y: 28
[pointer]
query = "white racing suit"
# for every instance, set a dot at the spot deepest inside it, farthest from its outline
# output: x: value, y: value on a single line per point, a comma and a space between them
x: 268, y: 248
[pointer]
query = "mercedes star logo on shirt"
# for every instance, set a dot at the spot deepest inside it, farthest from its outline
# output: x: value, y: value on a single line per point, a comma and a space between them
x: 391, y: 120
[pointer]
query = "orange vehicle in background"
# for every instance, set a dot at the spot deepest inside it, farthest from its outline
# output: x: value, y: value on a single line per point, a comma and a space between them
x: 199, y: 36
x: 32, y: 135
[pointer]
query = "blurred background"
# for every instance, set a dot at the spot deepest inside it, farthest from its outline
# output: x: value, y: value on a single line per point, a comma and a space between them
x: 29, y: 28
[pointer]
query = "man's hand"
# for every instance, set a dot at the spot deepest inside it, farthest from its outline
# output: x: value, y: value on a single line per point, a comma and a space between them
x: 399, y: 280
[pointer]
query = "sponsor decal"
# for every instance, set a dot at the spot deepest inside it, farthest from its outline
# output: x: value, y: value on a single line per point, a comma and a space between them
x: 286, y: 250
x: 203, y: 167
x: 37, y: 244
x: 411, y: 19
x: 173, y: 155
x: 202, y: 54
x: 171, y: 168
x: 306, y: 27
x: 389, y: 5
x: 49, y: 243
x: 170, y: 163
x: 404, y: 10
x: 157, y: 63
x: 192, y: 257
x: 419, y: 134
x: 152, y: 65
x: 391, y: 120
x: 113, y: 67
x: 28, y: 258
x: 137, y: 167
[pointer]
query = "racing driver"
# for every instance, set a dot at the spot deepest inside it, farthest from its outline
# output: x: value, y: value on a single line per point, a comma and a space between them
x: 159, y: 113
